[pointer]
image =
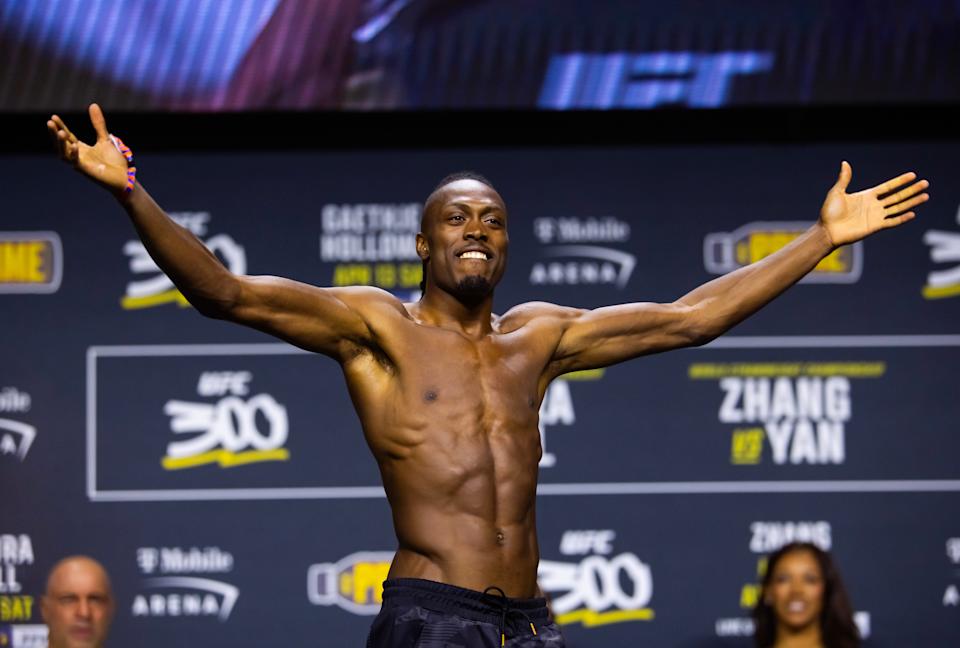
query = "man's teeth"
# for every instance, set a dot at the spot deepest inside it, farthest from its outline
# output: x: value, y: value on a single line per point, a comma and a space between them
x: 473, y: 255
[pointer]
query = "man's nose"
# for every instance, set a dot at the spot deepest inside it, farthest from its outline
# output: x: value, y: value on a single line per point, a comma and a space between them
x: 475, y: 230
x: 83, y: 609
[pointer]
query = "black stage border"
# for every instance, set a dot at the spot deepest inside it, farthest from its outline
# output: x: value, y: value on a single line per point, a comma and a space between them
x: 337, y: 130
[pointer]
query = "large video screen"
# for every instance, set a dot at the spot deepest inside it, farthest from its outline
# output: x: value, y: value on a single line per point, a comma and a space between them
x: 238, y: 55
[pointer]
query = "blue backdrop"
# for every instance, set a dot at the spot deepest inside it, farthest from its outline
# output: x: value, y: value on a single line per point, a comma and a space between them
x: 222, y: 478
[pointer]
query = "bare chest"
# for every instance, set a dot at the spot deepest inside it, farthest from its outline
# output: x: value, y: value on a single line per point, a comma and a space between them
x: 443, y: 385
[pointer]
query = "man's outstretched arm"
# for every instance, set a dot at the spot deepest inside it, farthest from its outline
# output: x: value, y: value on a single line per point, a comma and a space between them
x: 608, y: 335
x: 318, y: 319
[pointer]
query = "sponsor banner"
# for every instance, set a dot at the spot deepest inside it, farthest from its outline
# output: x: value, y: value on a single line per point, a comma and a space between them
x: 17, y: 605
x: 151, y: 287
x: 30, y: 262
x: 787, y: 409
x: 832, y: 405
x: 218, y: 421
x: 596, y: 586
x: 760, y: 409
x: 353, y: 583
x: 373, y: 244
x: 724, y: 252
x: 587, y: 251
x: 171, y: 588
x: 16, y: 436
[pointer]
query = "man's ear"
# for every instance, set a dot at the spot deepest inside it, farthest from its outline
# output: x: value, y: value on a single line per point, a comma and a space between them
x: 423, y: 249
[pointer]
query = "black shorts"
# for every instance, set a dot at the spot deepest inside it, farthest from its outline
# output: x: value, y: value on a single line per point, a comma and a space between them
x: 420, y: 613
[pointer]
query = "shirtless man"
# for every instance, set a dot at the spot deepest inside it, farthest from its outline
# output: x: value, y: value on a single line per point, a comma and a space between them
x: 448, y: 393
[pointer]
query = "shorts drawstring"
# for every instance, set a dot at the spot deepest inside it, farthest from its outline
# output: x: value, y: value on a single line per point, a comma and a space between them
x: 506, y: 609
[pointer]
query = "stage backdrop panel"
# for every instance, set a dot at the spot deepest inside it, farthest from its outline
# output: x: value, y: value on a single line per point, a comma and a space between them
x: 222, y: 478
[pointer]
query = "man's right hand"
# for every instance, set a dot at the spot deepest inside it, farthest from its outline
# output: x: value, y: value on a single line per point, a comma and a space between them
x: 102, y: 162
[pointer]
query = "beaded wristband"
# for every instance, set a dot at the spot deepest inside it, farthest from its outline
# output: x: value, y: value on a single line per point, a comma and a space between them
x: 128, y: 154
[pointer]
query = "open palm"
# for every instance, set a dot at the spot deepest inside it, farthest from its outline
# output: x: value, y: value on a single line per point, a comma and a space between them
x: 850, y: 217
x: 102, y: 161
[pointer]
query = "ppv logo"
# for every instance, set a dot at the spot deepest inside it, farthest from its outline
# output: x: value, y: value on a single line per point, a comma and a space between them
x: 600, y: 589
x: 186, y: 596
x: 229, y: 431
x: 944, y: 248
x: 354, y: 583
x: 30, y: 262
x: 724, y: 252
x: 159, y: 289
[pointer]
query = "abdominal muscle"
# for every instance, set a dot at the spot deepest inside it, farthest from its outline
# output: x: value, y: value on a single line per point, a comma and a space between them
x: 467, y: 518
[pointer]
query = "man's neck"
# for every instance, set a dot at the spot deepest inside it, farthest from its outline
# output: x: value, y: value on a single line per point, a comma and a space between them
x: 442, y: 309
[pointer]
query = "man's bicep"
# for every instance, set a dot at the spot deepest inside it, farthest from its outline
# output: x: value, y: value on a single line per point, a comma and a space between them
x: 612, y: 334
x: 324, y: 320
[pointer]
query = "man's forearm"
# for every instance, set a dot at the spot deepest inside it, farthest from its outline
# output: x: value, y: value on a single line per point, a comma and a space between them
x: 194, y: 269
x: 724, y: 302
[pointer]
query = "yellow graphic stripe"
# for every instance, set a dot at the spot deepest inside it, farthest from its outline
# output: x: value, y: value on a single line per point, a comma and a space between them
x: 589, y: 618
x: 172, y: 295
x: 584, y: 374
x: 225, y: 458
x: 939, y: 292
x: 714, y: 371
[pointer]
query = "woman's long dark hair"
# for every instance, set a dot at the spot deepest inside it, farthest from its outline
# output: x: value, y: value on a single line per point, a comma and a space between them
x: 836, y: 619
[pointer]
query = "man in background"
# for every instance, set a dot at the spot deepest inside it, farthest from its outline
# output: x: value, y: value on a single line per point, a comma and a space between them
x: 77, y: 605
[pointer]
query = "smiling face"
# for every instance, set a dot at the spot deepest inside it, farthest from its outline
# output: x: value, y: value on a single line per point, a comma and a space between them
x: 78, y: 604
x: 796, y: 591
x: 464, y: 239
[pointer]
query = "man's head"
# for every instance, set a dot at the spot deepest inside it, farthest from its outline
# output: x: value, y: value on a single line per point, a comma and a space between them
x: 78, y: 603
x: 463, y: 237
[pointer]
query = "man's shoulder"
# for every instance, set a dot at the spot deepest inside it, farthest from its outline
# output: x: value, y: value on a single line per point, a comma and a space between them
x: 534, y: 312
x: 369, y: 299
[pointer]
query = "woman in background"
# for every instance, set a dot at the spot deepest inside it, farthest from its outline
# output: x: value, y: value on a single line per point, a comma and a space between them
x: 803, y: 603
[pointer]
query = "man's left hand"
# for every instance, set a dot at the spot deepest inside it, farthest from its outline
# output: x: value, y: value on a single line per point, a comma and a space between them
x: 847, y: 218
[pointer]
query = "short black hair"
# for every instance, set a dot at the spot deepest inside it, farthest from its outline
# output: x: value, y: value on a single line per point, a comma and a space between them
x: 448, y: 179
x: 453, y: 177
x: 461, y: 175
